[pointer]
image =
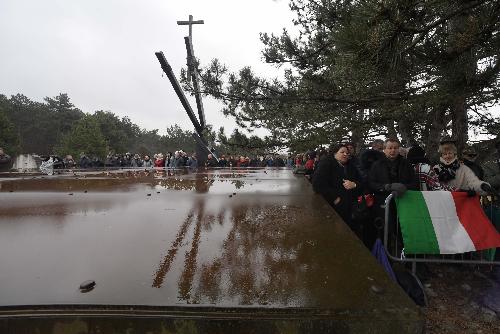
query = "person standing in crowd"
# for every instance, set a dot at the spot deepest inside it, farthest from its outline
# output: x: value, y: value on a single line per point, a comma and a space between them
x: 456, y: 175
x: 352, y: 154
x: 136, y: 161
x: 339, y: 182
x: 391, y: 173
x: 278, y: 161
x: 427, y: 179
x: 469, y: 156
x: 168, y: 159
x: 159, y: 161
x: 230, y: 162
x: 192, y: 161
x: 242, y: 162
x: 289, y: 161
x: 211, y: 161
x: 368, y: 157
x: 492, y: 176
x: 351, y: 149
x: 268, y: 161
x: 146, y: 162
x: 127, y: 160
x: 110, y: 160
x: 178, y: 161
x: 261, y: 162
x: 85, y: 162
x: 309, y: 165
x: 298, y: 160
x: 254, y: 162
x: 378, y: 145
x: 69, y: 162
x: 223, y: 161
x: 183, y: 158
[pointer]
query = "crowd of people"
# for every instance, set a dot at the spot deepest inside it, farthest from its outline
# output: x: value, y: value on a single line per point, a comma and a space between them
x: 175, y: 159
x: 344, y: 178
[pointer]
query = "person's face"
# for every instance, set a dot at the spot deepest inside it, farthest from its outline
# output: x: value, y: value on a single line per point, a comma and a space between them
x: 342, y: 155
x: 448, y: 156
x: 378, y: 147
x: 391, y: 150
x: 350, y: 148
x: 209, y: 156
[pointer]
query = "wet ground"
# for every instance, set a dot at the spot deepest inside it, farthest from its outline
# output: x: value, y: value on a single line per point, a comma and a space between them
x: 231, y: 239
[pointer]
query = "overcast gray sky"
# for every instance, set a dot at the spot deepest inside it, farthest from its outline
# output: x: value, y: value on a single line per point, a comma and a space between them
x: 101, y: 52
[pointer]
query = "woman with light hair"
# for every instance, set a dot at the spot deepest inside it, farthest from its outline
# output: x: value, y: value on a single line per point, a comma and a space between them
x: 159, y: 161
x: 454, y: 174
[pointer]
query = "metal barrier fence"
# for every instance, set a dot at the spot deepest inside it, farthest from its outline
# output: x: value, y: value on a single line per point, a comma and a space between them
x: 394, y: 246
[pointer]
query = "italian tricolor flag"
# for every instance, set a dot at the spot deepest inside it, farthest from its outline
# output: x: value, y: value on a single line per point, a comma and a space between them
x: 443, y: 222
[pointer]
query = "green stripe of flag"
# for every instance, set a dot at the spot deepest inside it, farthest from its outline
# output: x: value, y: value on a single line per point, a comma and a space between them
x: 416, y: 224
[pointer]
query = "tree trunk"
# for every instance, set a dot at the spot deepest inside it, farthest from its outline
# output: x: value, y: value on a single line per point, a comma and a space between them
x: 391, y: 129
x: 358, y: 132
x: 407, y: 134
x: 460, y: 122
x: 436, y: 126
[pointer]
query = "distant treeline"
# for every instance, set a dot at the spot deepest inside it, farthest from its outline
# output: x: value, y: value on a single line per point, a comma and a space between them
x: 56, y: 126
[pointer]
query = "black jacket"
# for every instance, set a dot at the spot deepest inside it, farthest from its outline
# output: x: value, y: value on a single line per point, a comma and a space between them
x: 380, y: 174
x: 477, y: 169
x: 328, y: 181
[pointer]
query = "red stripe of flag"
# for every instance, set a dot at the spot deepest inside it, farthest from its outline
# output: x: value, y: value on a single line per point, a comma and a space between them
x: 471, y: 215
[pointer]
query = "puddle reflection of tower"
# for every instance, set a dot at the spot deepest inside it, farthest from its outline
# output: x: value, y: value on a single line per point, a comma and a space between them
x: 190, y: 262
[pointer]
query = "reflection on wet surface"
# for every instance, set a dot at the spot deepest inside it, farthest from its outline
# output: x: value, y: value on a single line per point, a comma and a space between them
x: 222, y: 237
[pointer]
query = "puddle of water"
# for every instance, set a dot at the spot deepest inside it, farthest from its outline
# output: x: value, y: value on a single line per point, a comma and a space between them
x: 161, y: 238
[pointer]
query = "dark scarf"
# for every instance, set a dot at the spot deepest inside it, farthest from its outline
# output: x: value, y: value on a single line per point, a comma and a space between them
x: 446, y: 172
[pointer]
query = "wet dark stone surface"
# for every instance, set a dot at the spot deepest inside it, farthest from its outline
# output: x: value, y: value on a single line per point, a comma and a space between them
x: 183, y: 240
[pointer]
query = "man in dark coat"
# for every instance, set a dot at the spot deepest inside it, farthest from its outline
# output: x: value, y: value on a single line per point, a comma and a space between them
x: 392, y: 173
x: 211, y: 161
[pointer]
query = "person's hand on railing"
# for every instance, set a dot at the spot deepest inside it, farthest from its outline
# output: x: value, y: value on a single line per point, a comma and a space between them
x: 397, y: 188
x: 488, y: 189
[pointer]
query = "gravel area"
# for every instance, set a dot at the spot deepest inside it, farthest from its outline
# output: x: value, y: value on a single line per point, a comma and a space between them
x: 462, y: 299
